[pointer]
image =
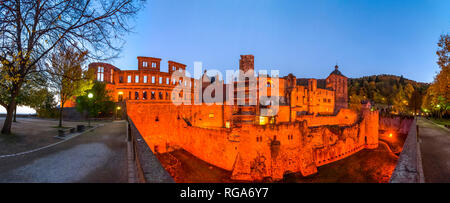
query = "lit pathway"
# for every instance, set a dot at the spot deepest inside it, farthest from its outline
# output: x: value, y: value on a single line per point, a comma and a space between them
x: 97, y: 156
x: 435, y: 147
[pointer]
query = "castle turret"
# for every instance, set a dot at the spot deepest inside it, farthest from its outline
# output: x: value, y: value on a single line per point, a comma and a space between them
x: 338, y: 83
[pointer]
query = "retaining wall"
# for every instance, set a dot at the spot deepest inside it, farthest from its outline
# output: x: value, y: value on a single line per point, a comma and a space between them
x: 409, y: 166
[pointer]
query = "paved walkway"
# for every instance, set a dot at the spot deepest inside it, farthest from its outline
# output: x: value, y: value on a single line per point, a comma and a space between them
x: 97, y: 156
x: 435, y: 147
x: 32, y: 133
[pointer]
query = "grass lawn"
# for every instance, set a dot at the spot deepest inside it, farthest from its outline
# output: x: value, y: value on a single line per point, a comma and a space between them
x: 442, y: 121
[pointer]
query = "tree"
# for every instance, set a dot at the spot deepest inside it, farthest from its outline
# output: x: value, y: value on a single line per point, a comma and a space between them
x: 100, y: 105
x: 29, y: 30
x: 437, y: 98
x: 31, y: 89
x: 399, y: 101
x: 415, y: 102
x: 66, y: 75
x: 355, y: 102
x: 45, y: 104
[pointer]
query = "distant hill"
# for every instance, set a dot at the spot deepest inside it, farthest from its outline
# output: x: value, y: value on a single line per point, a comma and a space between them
x: 397, y: 92
x: 387, y: 77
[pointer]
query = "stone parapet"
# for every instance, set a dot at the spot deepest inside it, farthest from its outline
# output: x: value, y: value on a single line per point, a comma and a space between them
x: 409, y: 166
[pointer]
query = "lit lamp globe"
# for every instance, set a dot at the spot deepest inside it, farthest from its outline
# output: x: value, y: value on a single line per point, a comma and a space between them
x: 90, y: 95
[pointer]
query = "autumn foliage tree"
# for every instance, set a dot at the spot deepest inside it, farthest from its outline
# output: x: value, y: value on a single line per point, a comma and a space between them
x: 437, y: 99
x: 30, y: 30
x: 66, y: 75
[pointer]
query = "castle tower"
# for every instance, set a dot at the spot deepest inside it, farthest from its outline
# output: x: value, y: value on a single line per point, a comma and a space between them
x: 245, y: 111
x: 338, y: 82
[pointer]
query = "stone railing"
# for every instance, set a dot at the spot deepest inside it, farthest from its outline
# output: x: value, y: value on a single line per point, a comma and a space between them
x: 409, y: 165
x: 147, y: 166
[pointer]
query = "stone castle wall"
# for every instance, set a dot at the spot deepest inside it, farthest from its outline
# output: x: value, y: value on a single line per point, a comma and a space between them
x: 343, y: 117
x: 252, y: 152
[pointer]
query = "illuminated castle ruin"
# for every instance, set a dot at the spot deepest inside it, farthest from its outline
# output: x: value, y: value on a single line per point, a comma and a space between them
x: 312, y: 125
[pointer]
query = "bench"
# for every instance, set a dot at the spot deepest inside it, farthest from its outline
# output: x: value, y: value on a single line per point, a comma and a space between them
x: 80, y: 128
x: 62, y: 132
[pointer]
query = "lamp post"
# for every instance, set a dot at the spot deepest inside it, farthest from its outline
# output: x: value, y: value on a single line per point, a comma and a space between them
x: 117, y: 111
x: 90, y: 95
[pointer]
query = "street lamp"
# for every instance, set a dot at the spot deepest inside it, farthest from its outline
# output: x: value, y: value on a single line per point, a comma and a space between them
x: 117, y: 111
x: 90, y: 95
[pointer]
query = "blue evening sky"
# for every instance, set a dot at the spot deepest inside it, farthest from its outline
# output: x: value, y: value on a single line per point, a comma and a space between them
x: 306, y: 38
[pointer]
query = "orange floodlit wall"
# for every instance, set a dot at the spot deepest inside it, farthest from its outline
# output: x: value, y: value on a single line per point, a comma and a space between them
x: 343, y: 117
x: 252, y: 152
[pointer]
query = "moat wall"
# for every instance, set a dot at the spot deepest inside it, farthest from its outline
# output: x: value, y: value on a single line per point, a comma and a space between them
x: 253, y: 152
x: 396, y: 124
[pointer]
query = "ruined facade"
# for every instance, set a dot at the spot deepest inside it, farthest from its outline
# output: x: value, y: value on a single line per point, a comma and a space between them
x: 312, y: 126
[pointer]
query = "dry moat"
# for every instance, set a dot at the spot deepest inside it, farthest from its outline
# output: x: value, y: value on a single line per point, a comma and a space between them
x: 366, y: 166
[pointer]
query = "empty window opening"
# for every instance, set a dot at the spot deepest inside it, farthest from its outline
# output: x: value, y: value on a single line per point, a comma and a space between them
x: 153, y: 95
x: 100, y: 73
x: 145, y: 79
x: 144, y: 95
